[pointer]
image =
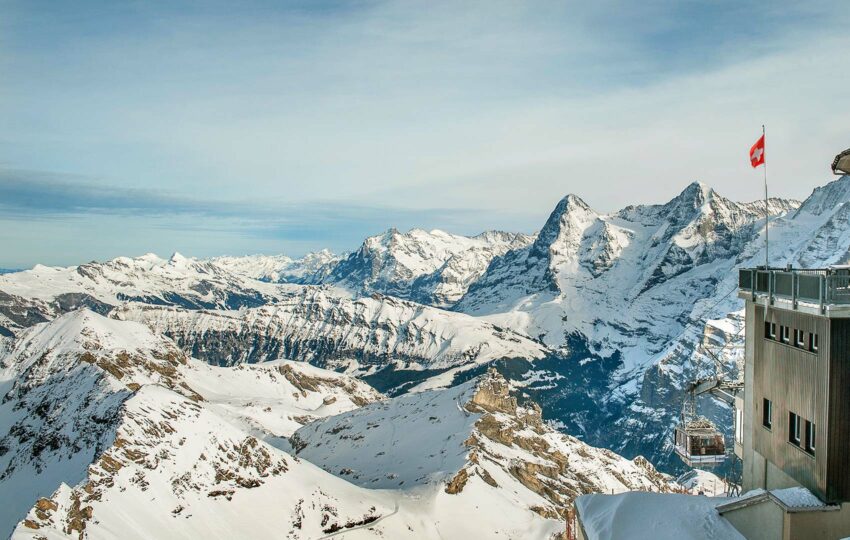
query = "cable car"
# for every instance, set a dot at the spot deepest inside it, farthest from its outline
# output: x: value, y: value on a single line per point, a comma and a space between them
x: 699, y: 443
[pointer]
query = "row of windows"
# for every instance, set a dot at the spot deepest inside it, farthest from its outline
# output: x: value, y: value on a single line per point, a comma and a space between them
x: 802, y: 340
x: 801, y: 432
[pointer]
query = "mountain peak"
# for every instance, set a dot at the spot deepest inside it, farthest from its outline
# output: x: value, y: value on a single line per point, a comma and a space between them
x: 571, y: 210
x: 573, y: 200
x: 696, y: 191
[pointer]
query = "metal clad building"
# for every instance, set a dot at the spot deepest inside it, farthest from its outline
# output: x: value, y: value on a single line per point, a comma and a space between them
x: 797, y: 373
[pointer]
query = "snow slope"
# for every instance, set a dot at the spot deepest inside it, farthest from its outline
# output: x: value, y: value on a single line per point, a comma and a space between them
x: 624, y: 300
x: 698, y: 481
x: 176, y: 469
x: 623, y: 280
x: 476, y: 442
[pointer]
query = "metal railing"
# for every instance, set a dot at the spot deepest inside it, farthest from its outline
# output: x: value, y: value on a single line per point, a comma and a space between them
x: 821, y: 286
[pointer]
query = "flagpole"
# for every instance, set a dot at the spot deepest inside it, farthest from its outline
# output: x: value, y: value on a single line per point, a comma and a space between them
x: 766, y: 210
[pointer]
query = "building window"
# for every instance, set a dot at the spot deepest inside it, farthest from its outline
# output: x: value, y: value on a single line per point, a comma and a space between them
x: 739, y: 426
x: 810, y: 437
x: 769, y: 330
x: 799, y: 339
x: 793, y: 428
x: 813, y: 342
x: 767, y: 413
x: 785, y: 333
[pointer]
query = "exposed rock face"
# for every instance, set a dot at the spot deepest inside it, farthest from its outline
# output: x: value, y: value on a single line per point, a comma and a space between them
x: 319, y: 327
x: 493, y: 395
x: 547, y: 471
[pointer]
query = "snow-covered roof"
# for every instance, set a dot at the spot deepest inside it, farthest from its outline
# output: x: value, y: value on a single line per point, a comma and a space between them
x: 653, y: 516
x: 795, y: 499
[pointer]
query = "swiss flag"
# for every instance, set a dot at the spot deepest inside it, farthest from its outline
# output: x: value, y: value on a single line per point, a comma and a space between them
x: 757, y: 153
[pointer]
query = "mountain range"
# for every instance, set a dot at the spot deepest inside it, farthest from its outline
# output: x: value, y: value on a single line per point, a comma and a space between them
x: 595, y: 326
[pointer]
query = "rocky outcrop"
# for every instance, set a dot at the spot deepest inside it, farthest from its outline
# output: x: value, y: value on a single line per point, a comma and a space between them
x: 553, y: 466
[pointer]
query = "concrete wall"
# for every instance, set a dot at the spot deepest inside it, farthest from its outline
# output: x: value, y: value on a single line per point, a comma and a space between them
x: 763, y: 521
x: 768, y: 521
x: 752, y: 475
x: 818, y: 525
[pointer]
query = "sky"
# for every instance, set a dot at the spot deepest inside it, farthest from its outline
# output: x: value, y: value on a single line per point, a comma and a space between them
x: 215, y: 128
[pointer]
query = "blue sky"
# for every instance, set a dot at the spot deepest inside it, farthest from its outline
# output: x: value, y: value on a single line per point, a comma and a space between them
x: 216, y: 128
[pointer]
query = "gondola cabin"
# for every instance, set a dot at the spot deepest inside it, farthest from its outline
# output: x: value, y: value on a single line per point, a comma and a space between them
x: 699, y: 443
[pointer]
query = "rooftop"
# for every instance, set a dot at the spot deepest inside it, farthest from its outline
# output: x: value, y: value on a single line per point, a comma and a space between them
x: 794, y: 499
x: 818, y: 291
x: 653, y: 516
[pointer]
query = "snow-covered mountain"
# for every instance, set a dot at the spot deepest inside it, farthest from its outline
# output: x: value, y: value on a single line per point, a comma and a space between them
x: 434, y: 268
x: 364, y: 336
x: 309, y: 269
x: 107, y: 429
x: 44, y: 292
x: 104, y: 423
x: 620, y: 280
x: 636, y: 302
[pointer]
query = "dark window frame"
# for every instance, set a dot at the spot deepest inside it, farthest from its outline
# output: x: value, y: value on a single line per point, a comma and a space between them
x: 770, y: 330
x: 811, y: 437
x: 794, y: 429
x: 799, y: 339
x: 767, y: 413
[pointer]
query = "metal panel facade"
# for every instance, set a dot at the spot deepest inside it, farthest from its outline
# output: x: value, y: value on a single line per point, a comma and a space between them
x: 795, y: 381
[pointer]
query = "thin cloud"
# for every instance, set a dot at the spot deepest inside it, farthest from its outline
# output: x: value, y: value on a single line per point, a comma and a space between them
x: 47, y: 196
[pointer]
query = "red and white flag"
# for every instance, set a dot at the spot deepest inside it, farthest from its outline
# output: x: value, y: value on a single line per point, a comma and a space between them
x: 757, y: 153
